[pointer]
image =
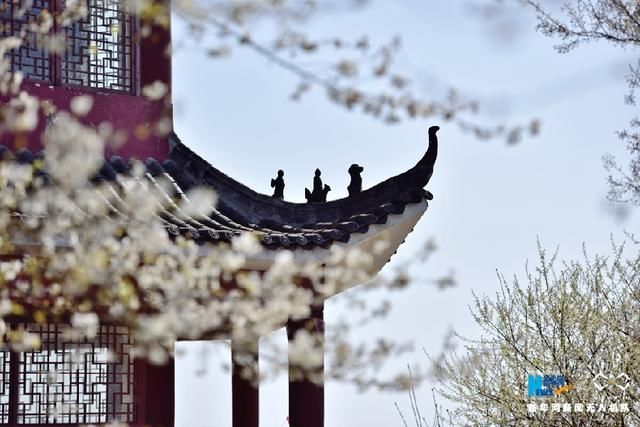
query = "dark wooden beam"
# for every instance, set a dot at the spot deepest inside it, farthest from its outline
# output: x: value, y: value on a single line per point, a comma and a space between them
x: 306, y: 396
x: 245, y: 385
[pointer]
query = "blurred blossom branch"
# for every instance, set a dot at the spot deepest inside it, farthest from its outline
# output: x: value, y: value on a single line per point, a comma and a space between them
x: 358, y: 77
x: 84, y: 254
x: 617, y: 22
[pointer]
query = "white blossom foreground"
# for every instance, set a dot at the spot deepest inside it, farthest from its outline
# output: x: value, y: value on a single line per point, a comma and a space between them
x: 66, y: 255
x: 69, y: 257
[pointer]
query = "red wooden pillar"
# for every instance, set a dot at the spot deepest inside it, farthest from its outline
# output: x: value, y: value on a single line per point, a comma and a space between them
x: 245, y: 384
x: 306, y: 397
x: 155, y: 66
x: 14, y: 386
x: 158, y: 393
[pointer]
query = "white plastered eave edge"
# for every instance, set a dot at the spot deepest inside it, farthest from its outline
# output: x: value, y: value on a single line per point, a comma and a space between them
x: 392, y: 233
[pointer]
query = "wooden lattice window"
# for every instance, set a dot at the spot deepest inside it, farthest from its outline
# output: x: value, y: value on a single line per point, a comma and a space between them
x: 85, y: 382
x: 99, y: 49
x: 4, y: 386
x: 31, y: 58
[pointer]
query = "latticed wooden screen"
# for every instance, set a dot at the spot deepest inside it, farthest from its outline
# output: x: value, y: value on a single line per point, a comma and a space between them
x: 4, y: 386
x: 31, y: 58
x: 98, y: 49
x: 69, y: 383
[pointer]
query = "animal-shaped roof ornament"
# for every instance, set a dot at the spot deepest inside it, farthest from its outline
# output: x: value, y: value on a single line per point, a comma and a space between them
x: 355, y: 186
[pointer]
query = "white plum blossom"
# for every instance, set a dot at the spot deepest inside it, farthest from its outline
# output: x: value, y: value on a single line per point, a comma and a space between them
x: 347, y: 68
x: 232, y: 261
x: 10, y: 82
x: 9, y: 43
x: 155, y: 91
x: 247, y: 244
x: 74, y: 151
x: 87, y: 324
x: 198, y: 202
x: 5, y: 307
x: 25, y: 341
x: 74, y: 10
x: 81, y: 105
x: 303, y: 350
x: 9, y: 269
x: 103, y: 251
x: 20, y: 114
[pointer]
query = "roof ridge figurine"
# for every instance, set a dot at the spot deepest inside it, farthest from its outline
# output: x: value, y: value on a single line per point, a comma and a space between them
x: 278, y: 185
x: 319, y: 193
x: 355, y: 186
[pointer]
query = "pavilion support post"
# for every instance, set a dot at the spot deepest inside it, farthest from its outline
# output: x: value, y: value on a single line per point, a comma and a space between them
x: 14, y: 386
x: 306, y: 385
x: 245, y: 384
x: 156, y: 383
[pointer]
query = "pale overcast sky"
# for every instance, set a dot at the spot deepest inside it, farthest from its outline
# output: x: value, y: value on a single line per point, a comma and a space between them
x: 492, y: 201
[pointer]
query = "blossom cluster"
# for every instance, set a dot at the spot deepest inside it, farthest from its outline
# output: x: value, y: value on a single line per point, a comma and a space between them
x: 84, y: 254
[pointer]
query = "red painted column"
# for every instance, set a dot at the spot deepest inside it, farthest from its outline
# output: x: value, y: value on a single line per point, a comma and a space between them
x: 306, y: 397
x: 158, y: 393
x: 14, y: 386
x: 245, y: 384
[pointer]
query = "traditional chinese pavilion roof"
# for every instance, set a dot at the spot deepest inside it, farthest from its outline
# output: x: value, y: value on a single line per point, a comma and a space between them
x: 278, y: 223
x: 284, y: 224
